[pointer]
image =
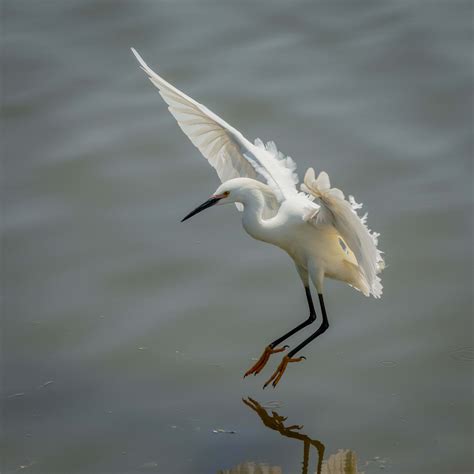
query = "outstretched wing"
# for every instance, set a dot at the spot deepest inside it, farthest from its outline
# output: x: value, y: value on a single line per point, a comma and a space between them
x: 226, y: 149
x: 342, y: 215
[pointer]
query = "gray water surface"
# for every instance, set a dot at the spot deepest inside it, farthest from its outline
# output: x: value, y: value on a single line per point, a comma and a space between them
x: 125, y: 334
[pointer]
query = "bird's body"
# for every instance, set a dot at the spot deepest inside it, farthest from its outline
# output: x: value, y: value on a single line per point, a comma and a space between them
x: 316, y: 250
x: 318, y: 228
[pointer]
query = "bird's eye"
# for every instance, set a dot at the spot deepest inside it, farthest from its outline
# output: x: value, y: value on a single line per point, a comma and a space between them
x: 226, y: 193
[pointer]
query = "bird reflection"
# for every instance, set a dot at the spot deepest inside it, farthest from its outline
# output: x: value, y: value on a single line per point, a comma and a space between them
x: 277, y: 422
x: 343, y: 462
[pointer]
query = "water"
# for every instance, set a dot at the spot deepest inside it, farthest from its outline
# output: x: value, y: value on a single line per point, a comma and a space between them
x: 126, y: 333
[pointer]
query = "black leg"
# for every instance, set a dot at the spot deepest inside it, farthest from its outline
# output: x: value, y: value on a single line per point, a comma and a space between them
x: 311, y: 319
x: 321, y: 329
x: 272, y: 349
x: 277, y: 375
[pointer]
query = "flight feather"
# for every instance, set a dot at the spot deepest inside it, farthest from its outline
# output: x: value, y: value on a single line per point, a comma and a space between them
x: 226, y: 149
x: 336, y: 211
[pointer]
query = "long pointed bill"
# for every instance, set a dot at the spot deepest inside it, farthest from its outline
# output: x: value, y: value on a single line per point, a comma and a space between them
x: 210, y: 202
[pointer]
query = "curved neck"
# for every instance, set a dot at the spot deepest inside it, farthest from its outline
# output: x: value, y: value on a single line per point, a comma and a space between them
x: 252, y: 219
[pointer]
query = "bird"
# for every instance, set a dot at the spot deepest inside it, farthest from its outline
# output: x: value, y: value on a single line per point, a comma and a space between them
x: 315, y: 224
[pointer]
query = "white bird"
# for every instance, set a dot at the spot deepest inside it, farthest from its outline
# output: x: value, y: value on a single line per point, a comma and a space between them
x: 318, y: 228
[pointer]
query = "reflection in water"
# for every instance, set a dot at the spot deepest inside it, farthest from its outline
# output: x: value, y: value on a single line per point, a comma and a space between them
x: 276, y: 422
x: 253, y: 468
x: 343, y: 462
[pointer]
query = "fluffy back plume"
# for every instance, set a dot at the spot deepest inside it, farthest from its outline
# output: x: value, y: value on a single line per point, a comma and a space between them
x: 342, y: 215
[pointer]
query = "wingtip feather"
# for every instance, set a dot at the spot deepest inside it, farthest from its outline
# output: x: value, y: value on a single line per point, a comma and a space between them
x: 136, y: 54
x: 140, y: 60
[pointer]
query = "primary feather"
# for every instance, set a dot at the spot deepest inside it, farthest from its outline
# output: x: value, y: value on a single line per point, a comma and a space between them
x: 226, y: 149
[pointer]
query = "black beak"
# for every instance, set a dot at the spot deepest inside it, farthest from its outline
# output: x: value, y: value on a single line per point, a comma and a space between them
x: 210, y: 202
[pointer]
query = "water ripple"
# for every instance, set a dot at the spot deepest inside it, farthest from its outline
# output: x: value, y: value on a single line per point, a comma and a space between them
x: 463, y: 354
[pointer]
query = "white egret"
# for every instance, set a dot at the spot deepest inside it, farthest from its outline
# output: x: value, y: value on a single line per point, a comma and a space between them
x: 318, y: 228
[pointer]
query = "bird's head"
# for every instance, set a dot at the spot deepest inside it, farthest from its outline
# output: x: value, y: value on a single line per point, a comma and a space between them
x: 226, y: 193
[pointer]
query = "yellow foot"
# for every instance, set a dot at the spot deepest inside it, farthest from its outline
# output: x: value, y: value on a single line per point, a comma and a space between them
x: 260, y: 364
x: 277, y: 375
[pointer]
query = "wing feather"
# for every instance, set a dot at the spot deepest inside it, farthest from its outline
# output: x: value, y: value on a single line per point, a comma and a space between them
x: 342, y: 215
x: 226, y: 149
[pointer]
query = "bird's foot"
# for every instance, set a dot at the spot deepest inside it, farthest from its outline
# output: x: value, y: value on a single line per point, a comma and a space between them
x: 277, y: 375
x: 260, y: 364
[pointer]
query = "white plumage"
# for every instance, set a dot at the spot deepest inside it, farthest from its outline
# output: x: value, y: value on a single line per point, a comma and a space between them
x: 316, y: 226
x: 226, y: 149
x: 342, y: 215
